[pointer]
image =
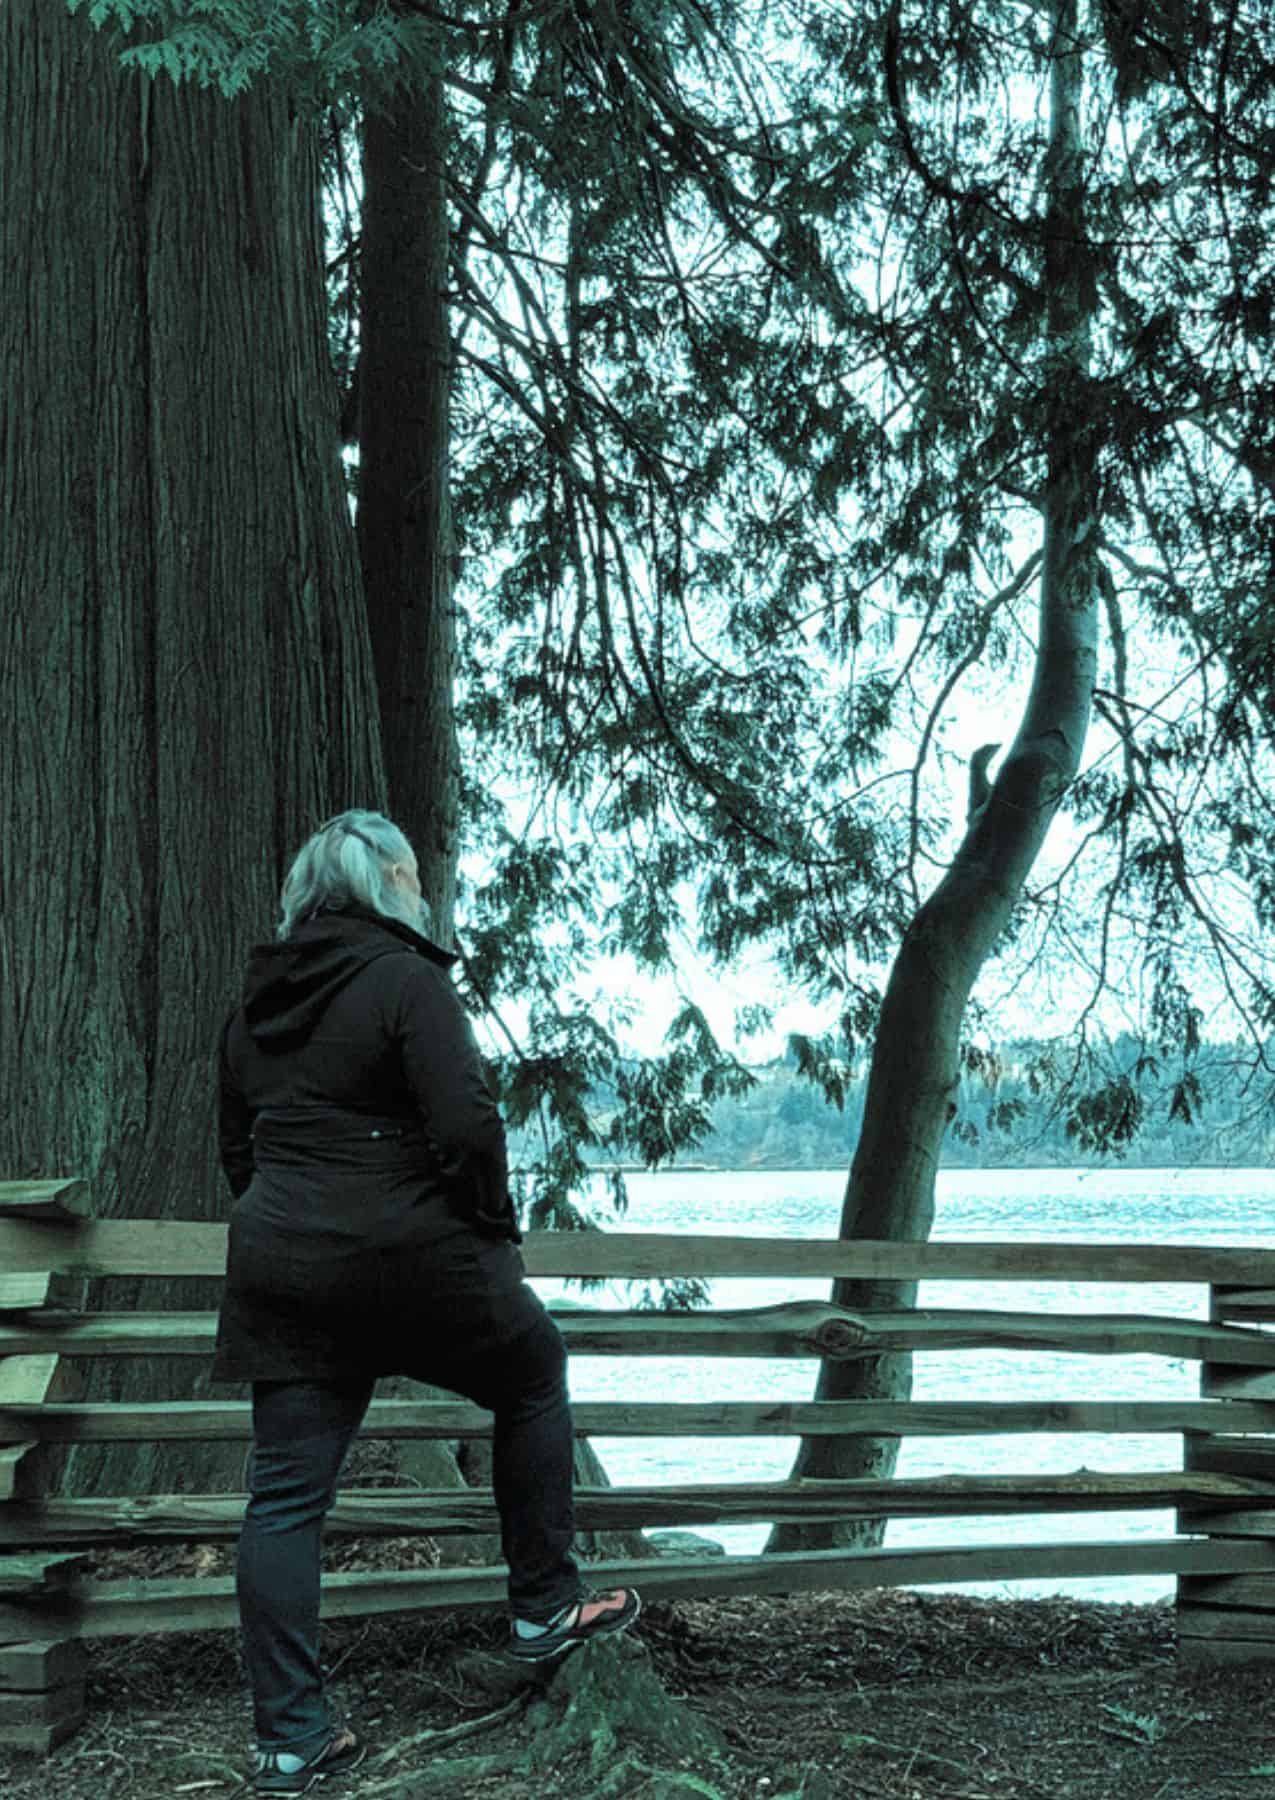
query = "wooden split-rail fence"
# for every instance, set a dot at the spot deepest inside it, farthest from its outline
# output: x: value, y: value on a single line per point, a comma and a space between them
x: 1222, y: 1553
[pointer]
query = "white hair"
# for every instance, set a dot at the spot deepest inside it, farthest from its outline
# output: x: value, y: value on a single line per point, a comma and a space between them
x: 347, y: 863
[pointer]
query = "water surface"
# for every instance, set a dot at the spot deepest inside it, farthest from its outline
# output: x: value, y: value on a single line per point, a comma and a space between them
x: 1182, y: 1206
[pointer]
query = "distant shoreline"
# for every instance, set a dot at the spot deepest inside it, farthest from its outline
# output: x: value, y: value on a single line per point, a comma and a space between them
x: 989, y: 1169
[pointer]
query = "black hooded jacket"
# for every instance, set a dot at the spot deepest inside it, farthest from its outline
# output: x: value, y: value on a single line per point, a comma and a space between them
x: 354, y: 1105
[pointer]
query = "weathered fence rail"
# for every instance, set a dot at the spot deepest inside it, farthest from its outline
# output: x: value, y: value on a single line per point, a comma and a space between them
x: 1223, y: 1552
x: 800, y: 1328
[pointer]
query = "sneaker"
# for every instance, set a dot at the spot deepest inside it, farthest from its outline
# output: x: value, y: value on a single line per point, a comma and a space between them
x: 593, y: 1616
x: 279, y: 1772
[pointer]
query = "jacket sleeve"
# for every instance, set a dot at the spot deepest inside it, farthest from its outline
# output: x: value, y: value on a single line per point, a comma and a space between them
x: 449, y: 1083
x: 234, y: 1121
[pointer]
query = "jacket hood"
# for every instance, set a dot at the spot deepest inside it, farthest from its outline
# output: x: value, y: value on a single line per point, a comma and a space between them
x: 289, y: 986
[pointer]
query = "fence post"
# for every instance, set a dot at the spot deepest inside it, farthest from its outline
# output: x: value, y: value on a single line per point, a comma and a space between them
x: 1231, y: 1618
x: 41, y: 1693
x: 41, y: 1683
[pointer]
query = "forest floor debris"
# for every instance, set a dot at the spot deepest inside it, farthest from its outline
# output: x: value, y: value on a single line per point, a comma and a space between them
x: 883, y: 1695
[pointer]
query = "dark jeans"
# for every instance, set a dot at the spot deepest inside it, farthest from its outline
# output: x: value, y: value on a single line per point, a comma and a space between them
x: 302, y: 1430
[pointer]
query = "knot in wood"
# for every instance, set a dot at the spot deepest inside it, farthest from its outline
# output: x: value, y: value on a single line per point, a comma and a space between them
x: 839, y: 1337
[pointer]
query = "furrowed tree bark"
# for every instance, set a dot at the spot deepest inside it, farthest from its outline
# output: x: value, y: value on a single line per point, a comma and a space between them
x: 405, y: 539
x: 914, y: 1072
x: 185, y: 678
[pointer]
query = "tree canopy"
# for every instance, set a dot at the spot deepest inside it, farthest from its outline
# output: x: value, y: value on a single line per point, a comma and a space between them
x: 753, y: 403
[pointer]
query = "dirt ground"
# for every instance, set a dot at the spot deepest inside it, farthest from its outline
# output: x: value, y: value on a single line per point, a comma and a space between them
x: 877, y: 1696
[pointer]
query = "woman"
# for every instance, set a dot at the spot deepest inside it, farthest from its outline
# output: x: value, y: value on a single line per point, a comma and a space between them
x: 372, y: 1234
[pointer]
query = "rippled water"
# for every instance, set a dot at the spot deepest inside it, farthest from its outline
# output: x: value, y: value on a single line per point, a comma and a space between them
x: 1183, y: 1206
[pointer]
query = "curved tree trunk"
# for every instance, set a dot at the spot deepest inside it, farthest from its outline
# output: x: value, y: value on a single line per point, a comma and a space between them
x: 913, y: 1079
x: 185, y: 680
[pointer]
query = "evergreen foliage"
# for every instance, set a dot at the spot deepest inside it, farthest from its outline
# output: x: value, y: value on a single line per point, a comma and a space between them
x: 323, y: 49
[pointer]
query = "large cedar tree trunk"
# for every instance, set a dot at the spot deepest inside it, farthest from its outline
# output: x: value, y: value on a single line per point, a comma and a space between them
x: 913, y: 1078
x: 407, y: 553
x: 404, y: 515
x: 404, y: 540
x: 185, y: 682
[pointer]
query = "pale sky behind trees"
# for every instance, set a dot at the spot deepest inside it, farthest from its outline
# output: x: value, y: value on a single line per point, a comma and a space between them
x: 983, y: 710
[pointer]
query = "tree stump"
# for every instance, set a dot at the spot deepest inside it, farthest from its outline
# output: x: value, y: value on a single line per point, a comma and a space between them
x: 602, y: 1704
x: 605, y: 1701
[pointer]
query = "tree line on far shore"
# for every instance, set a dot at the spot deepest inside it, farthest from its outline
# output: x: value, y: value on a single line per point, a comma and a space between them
x: 1008, y: 1114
